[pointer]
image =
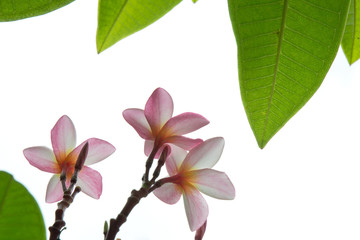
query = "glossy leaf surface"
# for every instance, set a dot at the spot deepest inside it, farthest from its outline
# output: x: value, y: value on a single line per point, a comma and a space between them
x: 351, y: 39
x: 118, y: 19
x: 20, y: 216
x: 285, y: 48
x: 11, y: 10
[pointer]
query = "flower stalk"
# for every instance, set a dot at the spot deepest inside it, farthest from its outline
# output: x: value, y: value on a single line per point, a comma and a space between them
x: 69, y: 195
x: 148, y: 165
x: 161, y: 163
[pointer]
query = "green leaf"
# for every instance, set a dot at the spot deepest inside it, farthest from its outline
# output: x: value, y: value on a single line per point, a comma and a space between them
x: 20, y: 216
x: 118, y: 19
x: 285, y: 48
x: 11, y: 10
x: 351, y: 39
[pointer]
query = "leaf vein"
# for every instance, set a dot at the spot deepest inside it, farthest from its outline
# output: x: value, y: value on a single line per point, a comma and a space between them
x: 258, y: 99
x: 258, y: 88
x: 307, y: 36
x: 299, y: 64
x: 260, y: 21
x: 281, y: 36
x: 260, y: 67
x: 304, y: 50
x: 257, y: 78
x: 258, y: 58
x: 286, y: 98
x: 278, y: 108
x: 312, y: 19
x: 320, y: 7
x: 262, y: 46
x: 260, y: 4
x: 258, y: 35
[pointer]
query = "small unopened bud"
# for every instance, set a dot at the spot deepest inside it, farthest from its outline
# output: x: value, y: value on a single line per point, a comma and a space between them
x: 106, y: 228
x: 161, y: 162
x: 82, y: 157
x: 200, y: 232
x: 164, y: 154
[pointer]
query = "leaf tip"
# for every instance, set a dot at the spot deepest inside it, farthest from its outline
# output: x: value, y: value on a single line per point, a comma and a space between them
x: 99, y: 48
x: 262, y: 142
x: 261, y: 145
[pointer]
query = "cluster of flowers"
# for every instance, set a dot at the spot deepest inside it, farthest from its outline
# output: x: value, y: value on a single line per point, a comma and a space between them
x: 189, y: 161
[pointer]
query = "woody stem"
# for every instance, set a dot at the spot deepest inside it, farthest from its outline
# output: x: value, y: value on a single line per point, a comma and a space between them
x: 136, y: 196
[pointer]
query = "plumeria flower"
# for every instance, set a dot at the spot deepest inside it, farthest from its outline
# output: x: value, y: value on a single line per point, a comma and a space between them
x: 191, y: 174
x: 156, y: 125
x: 63, y: 157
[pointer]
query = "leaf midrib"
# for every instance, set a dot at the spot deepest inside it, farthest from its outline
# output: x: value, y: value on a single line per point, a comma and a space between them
x: 281, y: 36
x: 113, y: 25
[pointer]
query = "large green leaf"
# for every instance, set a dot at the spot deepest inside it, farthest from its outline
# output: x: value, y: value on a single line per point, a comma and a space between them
x: 20, y: 216
x: 118, y: 19
x: 285, y: 48
x: 351, y: 39
x: 11, y: 10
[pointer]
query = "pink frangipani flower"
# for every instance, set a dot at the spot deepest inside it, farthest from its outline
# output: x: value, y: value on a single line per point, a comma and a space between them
x: 191, y: 174
x: 156, y: 125
x: 63, y: 158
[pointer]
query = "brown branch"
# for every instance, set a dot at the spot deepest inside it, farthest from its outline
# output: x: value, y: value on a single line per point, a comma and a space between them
x: 133, y: 200
x: 137, y: 195
x: 59, y: 223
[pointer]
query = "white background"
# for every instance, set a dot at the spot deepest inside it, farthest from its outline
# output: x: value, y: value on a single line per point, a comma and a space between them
x: 304, y: 185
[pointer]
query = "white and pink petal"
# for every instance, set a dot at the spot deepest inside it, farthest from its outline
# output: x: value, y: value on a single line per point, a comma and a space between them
x: 213, y: 183
x: 169, y: 193
x: 158, y: 109
x: 54, y: 191
x: 63, y: 137
x: 136, y: 118
x: 90, y: 182
x: 42, y: 158
x: 204, y: 155
x: 98, y: 150
x: 184, y: 123
x: 196, y: 207
x: 184, y: 142
x: 148, y: 147
x: 174, y: 160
